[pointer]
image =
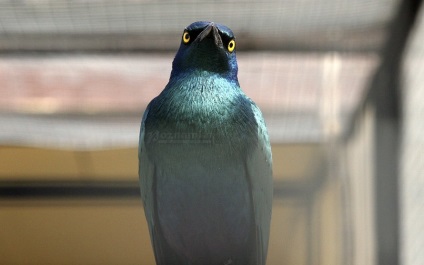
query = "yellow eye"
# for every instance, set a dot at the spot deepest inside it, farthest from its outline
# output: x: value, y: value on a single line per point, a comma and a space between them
x: 186, y: 37
x: 231, y: 45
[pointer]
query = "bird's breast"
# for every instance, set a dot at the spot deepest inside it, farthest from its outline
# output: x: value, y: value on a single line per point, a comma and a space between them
x: 204, y: 210
x: 200, y: 112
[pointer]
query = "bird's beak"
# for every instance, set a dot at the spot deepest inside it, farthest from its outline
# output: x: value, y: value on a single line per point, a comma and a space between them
x: 211, y: 31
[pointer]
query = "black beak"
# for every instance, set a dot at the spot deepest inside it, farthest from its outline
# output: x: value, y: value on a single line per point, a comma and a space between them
x: 211, y: 31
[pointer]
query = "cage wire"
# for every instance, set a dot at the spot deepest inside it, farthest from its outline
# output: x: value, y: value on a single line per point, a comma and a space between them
x: 76, y: 76
x: 315, y: 25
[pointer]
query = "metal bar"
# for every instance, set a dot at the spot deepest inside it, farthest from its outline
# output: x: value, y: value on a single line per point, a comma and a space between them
x: 68, y: 189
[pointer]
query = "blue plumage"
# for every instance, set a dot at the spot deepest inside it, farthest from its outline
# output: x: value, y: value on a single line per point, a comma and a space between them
x: 205, y: 159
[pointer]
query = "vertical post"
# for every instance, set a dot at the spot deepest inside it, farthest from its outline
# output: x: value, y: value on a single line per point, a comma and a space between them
x: 386, y: 97
x: 412, y: 181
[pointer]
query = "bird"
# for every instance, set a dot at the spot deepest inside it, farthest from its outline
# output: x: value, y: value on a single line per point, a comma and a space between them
x: 205, y: 162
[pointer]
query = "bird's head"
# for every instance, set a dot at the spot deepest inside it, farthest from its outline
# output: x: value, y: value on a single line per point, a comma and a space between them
x: 206, y: 46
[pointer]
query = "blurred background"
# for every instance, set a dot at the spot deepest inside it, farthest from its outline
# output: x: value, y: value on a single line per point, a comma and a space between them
x: 339, y: 83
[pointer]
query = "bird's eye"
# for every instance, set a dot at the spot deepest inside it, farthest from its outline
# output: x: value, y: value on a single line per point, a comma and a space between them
x: 231, y: 45
x: 186, y: 37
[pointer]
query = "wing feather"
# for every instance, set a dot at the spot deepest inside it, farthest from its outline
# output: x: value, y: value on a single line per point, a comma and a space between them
x: 146, y: 173
x: 259, y: 168
x: 164, y: 255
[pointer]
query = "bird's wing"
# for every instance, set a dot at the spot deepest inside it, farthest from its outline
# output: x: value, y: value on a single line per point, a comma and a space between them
x: 164, y: 255
x: 259, y: 168
x: 146, y: 174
